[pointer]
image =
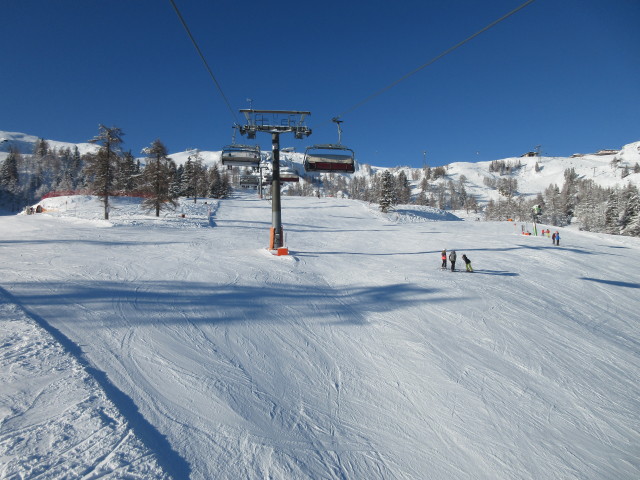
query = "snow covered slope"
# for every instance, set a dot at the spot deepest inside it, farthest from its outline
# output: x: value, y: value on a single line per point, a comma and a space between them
x: 355, y: 357
x: 25, y: 143
x: 56, y: 421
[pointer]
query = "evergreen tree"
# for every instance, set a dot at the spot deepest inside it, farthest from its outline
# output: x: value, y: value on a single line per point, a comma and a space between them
x: 403, y: 189
x: 103, y: 166
x: 157, y: 178
x: 225, y: 185
x: 422, y: 198
x: 632, y: 227
x: 10, y: 181
x: 75, y: 170
x: 553, y: 213
x: 194, y: 177
x: 41, y: 148
x: 127, y: 176
x: 611, y: 214
x: 174, y: 187
x: 625, y: 172
x: 568, y: 194
x: 387, y: 192
x: 9, y: 170
x: 627, y: 207
x: 215, y: 182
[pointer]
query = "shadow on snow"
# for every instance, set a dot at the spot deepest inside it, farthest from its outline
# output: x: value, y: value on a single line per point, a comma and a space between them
x: 169, y: 459
x: 197, y: 302
x: 612, y: 282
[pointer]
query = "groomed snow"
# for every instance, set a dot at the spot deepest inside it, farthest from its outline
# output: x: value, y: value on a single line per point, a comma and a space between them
x: 178, y: 346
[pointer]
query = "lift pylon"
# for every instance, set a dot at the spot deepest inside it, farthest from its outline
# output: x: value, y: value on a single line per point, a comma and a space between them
x: 275, y: 122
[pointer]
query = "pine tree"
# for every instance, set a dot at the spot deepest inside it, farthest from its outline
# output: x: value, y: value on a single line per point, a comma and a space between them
x: 215, y: 182
x: 158, y: 177
x: 41, y: 148
x: 403, y: 189
x: 553, y: 213
x: 568, y: 194
x: 103, y: 166
x: 75, y: 170
x: 627, y: 206
x: 9, y: 170
x: 611, y: 214
x: 127, y: 176
x: 174, y: 186
x: 10, y: 181
x: 194, y: 177
x: 632, y: 228
x: 625, y: 172
x: 387, y: 192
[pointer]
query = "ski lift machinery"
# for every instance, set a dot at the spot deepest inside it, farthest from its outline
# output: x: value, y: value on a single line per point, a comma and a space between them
x: 236, y: 155
x: 330, y: 157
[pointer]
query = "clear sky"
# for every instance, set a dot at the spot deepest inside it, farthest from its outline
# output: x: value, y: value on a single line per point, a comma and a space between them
x: 563, y: 74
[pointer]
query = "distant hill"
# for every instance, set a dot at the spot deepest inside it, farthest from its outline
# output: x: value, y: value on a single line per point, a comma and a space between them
x: 25, y: 143
x: 533, y: 174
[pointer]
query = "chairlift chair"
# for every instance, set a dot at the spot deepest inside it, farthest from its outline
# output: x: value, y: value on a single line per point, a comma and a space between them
x: 241, y: 155
x: 288, y: 175
x: 329, y: 158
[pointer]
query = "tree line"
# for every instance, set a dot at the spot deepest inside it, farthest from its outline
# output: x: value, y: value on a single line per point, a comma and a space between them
x: 109, y: 171
x: 392, y: 187
x: 597, y: 209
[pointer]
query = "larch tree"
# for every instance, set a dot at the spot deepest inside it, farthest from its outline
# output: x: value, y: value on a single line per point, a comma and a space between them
x: 102, y: 166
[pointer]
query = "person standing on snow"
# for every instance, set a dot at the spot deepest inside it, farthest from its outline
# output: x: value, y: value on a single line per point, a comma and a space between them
x: 444, y: 258
x: 452, y: 259
x: 467, y: 263
x: 557, y: 234
x: 553, y: 238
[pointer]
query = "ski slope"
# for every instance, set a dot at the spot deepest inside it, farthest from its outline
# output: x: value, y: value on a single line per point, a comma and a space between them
x: 355, y: 357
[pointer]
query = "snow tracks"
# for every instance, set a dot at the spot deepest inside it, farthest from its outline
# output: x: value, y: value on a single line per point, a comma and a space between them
x: 55, y: 419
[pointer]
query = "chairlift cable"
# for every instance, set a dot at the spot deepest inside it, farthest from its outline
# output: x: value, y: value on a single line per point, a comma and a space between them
x: 195, y: 44
x: 435, y: 59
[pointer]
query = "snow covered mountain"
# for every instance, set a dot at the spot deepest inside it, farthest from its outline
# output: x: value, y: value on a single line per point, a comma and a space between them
x: 606, y: 168
x: 24, y: 143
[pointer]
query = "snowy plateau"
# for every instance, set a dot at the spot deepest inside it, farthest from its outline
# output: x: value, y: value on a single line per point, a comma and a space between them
x: 179, y: 347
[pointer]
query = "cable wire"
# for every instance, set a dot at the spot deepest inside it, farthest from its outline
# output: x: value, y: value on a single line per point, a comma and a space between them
x: 195, y: 44
x: 435, y: 59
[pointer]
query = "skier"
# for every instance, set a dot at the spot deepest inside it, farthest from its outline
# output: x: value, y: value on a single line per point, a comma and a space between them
x: 452, y: 259
x: 467, y: 262
x: 553, y: 238
x: 444, y: 259
x: 557, y: 234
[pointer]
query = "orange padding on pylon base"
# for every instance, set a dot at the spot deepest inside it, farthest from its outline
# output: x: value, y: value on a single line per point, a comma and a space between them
x: 283, y: 251
x: 272, y: 237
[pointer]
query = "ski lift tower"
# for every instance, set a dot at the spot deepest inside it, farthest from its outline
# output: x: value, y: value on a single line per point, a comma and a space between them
x: 275, y: 122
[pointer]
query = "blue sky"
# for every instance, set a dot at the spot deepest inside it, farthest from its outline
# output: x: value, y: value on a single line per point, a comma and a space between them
x: 561, y: 74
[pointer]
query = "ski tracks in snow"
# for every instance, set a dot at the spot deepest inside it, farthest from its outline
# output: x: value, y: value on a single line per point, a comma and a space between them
x: 55, y: 421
